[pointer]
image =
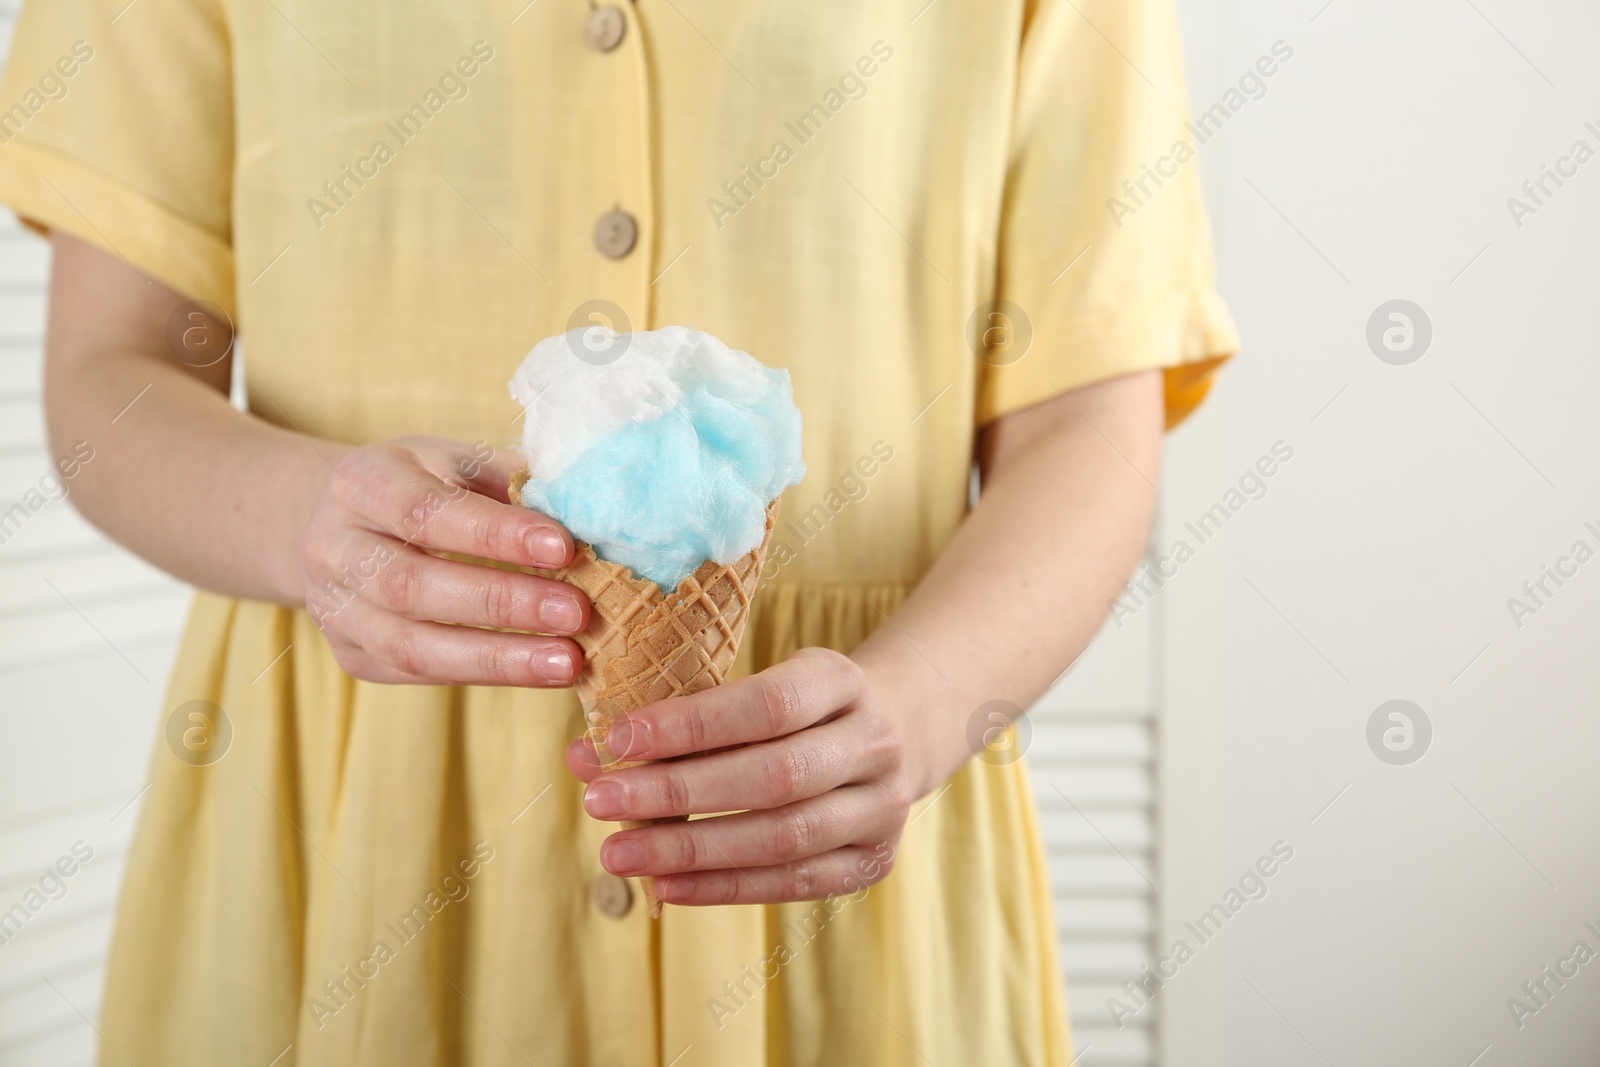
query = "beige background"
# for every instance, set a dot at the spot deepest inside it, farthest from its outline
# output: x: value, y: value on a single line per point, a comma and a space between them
x: 1416, y: 504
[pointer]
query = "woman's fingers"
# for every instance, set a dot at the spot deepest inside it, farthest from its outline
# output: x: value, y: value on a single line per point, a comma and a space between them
x: 757, y: 838
x: 812, y: 765
x: 358, y: 663
x: 837, y: 873
x: 454, y: 655
x: 583, y: 761
x: 413, y: 584
x: 395, y: 612
x: 387, y: 485
x: 767, y: 775
x: 483, y: 469
x: 799, y: 692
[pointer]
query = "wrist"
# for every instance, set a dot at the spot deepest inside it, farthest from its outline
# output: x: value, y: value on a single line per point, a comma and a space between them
x: 923, y: 719
x: 303, y: 485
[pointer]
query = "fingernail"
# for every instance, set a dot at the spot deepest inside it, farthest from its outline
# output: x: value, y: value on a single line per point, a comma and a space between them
x: 603, y: 800
x: 546, y: 548
x: 561, y: 613
x: 624, y: 857
x: 677, y: 887
x: 554, y: 664
x: 624, y: 740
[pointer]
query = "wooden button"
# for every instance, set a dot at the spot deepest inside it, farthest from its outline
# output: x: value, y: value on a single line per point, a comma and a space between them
x: 606, y: 27
x: 611, y: 895
x: 616, y: 233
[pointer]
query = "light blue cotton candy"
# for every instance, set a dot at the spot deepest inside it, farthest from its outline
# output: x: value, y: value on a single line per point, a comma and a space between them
x: 664, y: 496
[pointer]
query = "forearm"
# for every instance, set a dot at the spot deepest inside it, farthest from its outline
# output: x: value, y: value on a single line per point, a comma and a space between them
x: 217, y: 497
x: 1022, y: 587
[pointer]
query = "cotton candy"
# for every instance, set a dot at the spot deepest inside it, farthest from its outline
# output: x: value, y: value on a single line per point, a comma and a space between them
x: 662, y: 457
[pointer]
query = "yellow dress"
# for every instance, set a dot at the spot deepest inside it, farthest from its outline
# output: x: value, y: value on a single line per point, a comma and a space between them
x: 396, y: 201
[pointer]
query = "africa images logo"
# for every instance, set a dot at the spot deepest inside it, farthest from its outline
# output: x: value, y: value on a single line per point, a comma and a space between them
x: 1399, y: 732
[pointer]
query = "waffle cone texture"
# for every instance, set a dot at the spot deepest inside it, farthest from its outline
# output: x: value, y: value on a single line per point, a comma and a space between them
x: 643, y: 645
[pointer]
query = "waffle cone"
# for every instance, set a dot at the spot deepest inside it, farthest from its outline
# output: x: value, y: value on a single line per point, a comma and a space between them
x: 643, y: 645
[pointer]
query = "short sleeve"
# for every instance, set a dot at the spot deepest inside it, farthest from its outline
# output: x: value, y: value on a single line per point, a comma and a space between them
x: 1104, y: 246
x: 117, y: 127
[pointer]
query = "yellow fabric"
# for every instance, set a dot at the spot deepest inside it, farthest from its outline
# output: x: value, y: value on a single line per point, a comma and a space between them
x: 929, y: 165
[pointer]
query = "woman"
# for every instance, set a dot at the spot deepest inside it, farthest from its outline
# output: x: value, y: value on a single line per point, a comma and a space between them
x: 404, y: 856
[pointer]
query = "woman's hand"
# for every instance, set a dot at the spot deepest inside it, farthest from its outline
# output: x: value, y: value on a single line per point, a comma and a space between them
x: 809, y: 755
x: 382, y: 598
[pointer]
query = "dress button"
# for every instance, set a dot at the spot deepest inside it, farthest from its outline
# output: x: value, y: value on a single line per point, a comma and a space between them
x: 616, y: 233
x: 605, y: 28
x: 611, y: 895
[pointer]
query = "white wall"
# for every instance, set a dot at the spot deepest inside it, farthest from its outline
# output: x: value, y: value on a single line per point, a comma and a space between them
x: 1379, y: 564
